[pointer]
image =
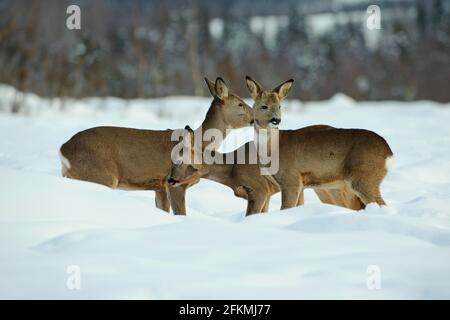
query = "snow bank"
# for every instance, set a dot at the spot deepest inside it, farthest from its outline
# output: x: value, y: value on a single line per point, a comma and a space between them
x: 126, y: 248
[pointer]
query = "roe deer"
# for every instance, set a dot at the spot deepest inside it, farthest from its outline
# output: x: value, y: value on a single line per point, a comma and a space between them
x: 138, y: 159
x: 245, y: 178
x: 349, y: 162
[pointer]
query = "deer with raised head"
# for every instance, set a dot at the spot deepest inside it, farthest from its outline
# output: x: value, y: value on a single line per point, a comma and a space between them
x: 138, y: 159
x: 344, y: 166
x: 243, y: 177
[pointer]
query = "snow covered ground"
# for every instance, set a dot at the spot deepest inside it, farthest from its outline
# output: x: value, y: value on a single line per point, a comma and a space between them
x: 123, y: 247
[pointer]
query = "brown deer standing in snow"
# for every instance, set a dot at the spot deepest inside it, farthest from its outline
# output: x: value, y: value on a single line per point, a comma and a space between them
x: 243, y: 177
x: 344, y: 166
x: 137, y: 159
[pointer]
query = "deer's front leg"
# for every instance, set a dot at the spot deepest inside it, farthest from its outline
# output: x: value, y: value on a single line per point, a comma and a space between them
x: 256, y: 200
x: 290, y: 193
x: 177, y: 199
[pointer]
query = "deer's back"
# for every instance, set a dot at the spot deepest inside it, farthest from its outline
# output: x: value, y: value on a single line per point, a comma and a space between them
x: 326, y: 154
x: 131, y: 154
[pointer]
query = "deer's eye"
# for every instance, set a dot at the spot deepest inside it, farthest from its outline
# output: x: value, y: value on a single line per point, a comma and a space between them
x: 264, y: 107
x: 241, y: 105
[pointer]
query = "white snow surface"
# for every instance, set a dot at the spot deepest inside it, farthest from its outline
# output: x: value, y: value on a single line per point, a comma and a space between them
x: 125, y: 248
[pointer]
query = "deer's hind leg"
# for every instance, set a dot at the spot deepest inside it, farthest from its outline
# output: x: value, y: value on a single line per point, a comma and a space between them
x: 177, y: 199
x: 325, y: 196
x: 364, y: 176
x: 301, y: 199
x: 257, y: 201
x: 265, y: 208
x: 343, y: 197
x: 368, y: 190
x: 291, y: 193
x: 348, y: 198
x: 99, y: 173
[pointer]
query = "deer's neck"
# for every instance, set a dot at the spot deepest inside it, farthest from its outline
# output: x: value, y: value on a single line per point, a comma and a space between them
x: 265, y: 139
x: 213, y: 120
x: 220, y: 172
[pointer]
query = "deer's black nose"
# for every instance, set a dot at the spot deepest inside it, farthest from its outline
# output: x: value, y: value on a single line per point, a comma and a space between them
x: 275, y: 121
x: 172, y: 181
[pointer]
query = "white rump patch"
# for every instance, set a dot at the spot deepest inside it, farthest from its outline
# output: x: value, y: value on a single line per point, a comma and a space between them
x: 389, y: 163
x: 65, y: 162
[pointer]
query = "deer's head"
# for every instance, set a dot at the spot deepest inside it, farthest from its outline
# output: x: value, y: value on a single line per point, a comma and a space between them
x: 267, y: 103
x: 184, y: 170
x: 234, y: 111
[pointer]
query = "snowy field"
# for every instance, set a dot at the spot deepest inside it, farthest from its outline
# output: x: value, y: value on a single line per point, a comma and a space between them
x: 126, y: 248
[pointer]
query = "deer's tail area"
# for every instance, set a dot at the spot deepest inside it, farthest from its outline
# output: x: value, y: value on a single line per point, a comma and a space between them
x: 65, y: 163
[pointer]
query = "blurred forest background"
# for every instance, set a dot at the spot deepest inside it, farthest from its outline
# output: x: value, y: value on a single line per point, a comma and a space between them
x: 153, y: 48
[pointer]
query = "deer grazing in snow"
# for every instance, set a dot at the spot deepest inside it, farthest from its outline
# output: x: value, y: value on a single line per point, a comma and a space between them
x: 345, y: 167
x: 137, y: 159
x: 243, y: 177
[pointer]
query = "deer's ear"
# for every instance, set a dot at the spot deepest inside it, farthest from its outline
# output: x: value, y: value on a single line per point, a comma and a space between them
x: 253, y: 87
x: 188, y: 128
x: 211, y: 86
x: 221, y: 89
x: 283, y: 89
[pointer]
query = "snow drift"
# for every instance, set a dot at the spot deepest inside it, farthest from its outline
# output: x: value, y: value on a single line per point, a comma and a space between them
x: 126, y: 248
